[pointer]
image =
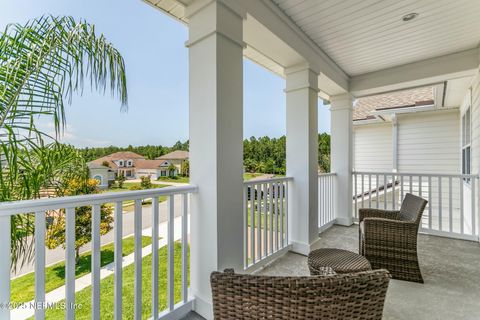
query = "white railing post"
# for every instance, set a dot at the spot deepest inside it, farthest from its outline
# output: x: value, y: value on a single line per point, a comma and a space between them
x: 5, y: 266
x: 40, y: 264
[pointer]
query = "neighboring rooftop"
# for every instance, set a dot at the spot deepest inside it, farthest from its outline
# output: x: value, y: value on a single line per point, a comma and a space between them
x: 175, y: 155
x: 364, y: 107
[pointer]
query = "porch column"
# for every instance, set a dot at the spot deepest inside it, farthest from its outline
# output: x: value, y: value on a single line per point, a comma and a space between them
x: 302, y: 157
x: 216, y: 143
x: 341, y: 155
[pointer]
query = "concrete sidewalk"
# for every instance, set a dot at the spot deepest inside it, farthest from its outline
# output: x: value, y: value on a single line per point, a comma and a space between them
x: 85, y: 281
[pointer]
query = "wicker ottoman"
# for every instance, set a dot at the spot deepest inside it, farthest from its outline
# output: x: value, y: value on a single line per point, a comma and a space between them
x: 341, y: 261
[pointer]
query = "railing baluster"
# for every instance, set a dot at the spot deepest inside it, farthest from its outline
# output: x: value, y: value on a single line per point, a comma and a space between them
x: 265, y: 220
x: 410, y: 190
x: 369, y: 190
x: 270, y: 210
x: 5, y: 233
x: 385, y: 190
x: 282, y: 230
x: 450, y: 205
x: 171, y: 252
x: 473, y: 197
x: 274, y: 216
x: 429, y: 202
x: 70, y: 263
x: 401, y: 187
x: 286, y: 211
x: 39, y: 264
x: 394, y: 204
x: 258, y: 192
x: 440, y: 203
x: 355, y: 196
x: 245, y: 226
x: 252, y: 223
x: 363, y: 191
x: 277, y: 216
x: 377, y: 177
x: 460, y: 180
x: 155, y: 225
x: 185, y: 248
x: 95, y: 256
x: 118, y: 257
x: 137, y: 257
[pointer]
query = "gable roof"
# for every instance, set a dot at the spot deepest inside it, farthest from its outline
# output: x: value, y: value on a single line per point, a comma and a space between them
x: 175, y: 155
x: 399, y: 99
x: 147, y: 164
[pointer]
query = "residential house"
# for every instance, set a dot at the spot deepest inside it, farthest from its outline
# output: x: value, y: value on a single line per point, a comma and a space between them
x: 134, y: 166
x: 177, y: 158
x: 101, y: 173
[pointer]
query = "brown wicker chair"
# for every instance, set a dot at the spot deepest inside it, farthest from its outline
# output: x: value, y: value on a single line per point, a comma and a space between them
x: 347, y: 296
x: 388, y: 239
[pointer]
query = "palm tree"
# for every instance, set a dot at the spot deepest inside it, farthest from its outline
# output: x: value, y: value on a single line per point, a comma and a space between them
x: 42, y: 64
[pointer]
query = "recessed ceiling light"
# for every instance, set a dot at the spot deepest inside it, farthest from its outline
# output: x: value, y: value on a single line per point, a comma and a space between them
x: 410, y: 16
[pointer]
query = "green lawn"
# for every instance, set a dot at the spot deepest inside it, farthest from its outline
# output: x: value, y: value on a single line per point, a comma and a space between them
x: 178, y: 179
x: 23, y: 288
x: 249, y: 176
x: 83, y: 297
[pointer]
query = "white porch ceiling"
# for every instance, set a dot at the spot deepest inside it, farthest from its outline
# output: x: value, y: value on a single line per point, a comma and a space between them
x: 363, y: 36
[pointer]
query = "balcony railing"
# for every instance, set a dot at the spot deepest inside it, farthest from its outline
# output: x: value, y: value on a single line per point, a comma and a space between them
x: 452, y: 208
x: 326, y: 200
x: 42, y: 207
x: 265, y: 220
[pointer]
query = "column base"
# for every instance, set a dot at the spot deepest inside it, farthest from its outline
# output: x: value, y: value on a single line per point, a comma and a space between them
x: 302, y: 247
x: 203, y: 308
x: 347, y: 222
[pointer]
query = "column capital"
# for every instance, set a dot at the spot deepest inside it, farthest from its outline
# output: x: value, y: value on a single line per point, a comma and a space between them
x: 301, y: 76
x: 341, y: 102
x: 215, y: 17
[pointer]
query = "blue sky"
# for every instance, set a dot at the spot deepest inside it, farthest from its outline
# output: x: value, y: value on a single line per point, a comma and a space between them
x: 152, y: 45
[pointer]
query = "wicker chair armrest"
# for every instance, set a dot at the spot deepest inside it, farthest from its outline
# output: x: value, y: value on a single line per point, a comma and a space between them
x: 379, y: 229
x: 378, y: 213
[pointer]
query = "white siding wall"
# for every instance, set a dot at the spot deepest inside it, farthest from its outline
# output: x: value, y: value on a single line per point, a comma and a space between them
x: 429, y: 142
x: 373, y: 150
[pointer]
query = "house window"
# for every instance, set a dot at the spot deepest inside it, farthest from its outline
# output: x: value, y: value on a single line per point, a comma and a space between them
x: 129, y: 163
x: 163, y: 173
x: 466, y: 143
x: 120, y: 163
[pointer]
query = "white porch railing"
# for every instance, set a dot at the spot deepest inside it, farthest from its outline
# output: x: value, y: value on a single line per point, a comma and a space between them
x: 265, y: 219
x: 452, y: 208
x: 326, y: 200
x: 42, y: 207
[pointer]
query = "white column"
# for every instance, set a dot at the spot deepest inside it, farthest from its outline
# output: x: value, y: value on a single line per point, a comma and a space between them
x: 302, y: 157
x: 216, y: 144
x: 342, y: 154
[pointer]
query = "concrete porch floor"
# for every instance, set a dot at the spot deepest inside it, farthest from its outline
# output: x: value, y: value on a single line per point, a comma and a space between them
x: 450, y: 268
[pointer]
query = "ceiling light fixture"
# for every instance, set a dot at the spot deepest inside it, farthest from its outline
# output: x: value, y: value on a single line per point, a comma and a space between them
x: 409, y: 16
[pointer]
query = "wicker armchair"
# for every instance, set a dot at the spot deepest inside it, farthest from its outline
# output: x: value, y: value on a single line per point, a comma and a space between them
x: 388, y: 239
x: 347, y: 296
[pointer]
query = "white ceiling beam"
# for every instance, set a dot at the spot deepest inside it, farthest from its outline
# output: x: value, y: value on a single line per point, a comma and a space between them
x: 420, y: 73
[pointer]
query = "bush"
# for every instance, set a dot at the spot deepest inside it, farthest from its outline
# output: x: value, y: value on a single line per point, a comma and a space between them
x: 145, y: 183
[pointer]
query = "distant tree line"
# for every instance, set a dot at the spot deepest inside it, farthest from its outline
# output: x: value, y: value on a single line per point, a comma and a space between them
x: 268, y: 155
x: 264, y: 154
x: 148, y: 151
